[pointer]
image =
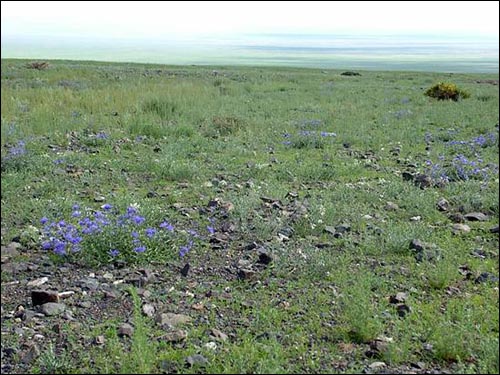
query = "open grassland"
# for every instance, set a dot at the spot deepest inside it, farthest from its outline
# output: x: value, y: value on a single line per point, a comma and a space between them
x: 295, y: 220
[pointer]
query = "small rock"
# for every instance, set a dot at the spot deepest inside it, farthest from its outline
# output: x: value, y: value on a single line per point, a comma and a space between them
x: 391, y: 206
x: 37, y: 282
x: 99, y: 340
x: 423, y: 181
x: 402, y: 309
x: 377, y: 365
x: 196, y: 360
x: 416, y: 218
x: 210, y: 345
x: 125, y: 329
x: 398, y: 298
x: 174, y: 336
x: 246, y: 274
x: 39, y: 297
x: 265, y: 257
x: 443, y: 205
x: 486, y: 277
x: 32, y: 354
x: 456, y: 217
x: 457, y: 228
x: 494, y: 229
x: 99, y: 199
x: 171, y: 319
x: 52, y: 308
x: 329, y: 229
x: 476, y: 216
x: 148, y: 310
x: 218, y: 335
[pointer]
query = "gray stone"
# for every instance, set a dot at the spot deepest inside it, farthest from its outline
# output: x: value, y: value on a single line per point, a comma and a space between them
x: 125, y: 329
x: 443, y: 205
x: 52, y: 308
x: 174, y: 336
x: 476, y: 216
x: 460, y: 228
x: 196, y: 360
x: 171, y: 319
x: 391, y: 206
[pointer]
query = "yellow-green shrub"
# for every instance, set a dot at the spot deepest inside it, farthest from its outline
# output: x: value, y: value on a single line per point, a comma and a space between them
x: 446, y: 91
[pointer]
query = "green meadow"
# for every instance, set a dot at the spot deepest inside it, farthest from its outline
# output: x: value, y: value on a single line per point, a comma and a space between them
x: 297, y: 220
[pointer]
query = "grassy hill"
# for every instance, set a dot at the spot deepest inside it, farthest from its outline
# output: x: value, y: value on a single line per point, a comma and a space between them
x: 295, y: 220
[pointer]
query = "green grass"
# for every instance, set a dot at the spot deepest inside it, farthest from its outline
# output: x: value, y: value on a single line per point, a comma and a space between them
x: 171, y: 139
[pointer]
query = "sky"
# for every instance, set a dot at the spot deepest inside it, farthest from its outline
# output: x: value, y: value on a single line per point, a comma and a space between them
x: 172, y: 19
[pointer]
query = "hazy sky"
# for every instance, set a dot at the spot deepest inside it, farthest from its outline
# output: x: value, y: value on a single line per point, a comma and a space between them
x: 177, y: 19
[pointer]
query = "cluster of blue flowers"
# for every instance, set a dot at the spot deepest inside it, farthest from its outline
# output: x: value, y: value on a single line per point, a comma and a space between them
x: 308, y: 136
x: 108, y: 234
x: 466, y: 162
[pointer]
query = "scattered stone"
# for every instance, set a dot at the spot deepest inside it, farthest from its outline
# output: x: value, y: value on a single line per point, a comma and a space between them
x: 424, y: 251
x: 377, y: 348
x: 84, y: 304
x: 171, y: 319
x: 367, y: 217
x: 52, y: 308
x: 486, y: 277
x: 174, y: 336
x: 99, y: 340
x: 148, y: 310
x: 423, y: 181
x: 416, y: 218
x: 125, y: 329
x: 391, y: 206
x: 99, y: 199
x: 476, y: 216
x: 265, y: 257
x: 210, y: 346
x: 196, y: 360
x: 377, y: 365
x: 494, y: 229
x: 185, y: 270
x: 402, y: 309
x: 443, y: 205
x: 457, y: 228
x: 64, y: 295
x: 32, y: 354
x: 246, y: 274
x: 456, y: 217
x: 398, y: 298
x: 329, y: 229
x: 218, y: 335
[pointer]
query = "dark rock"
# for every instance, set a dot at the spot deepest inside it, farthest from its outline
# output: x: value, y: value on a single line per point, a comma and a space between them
x: 184, y: 271
x: 246, y: 274
x: 398, y: 298
x: 350, y: 73
x: 402, y: 309
x: 407, y: 176
x: 423, y: 181
x: 39, y: 297
x: 494, y: 229
x: 425, y: 251
x: 476, y: 216
x: 265, y: 257
x: 456, y: 217
x: 486, y: 277
x: 443, y: 205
